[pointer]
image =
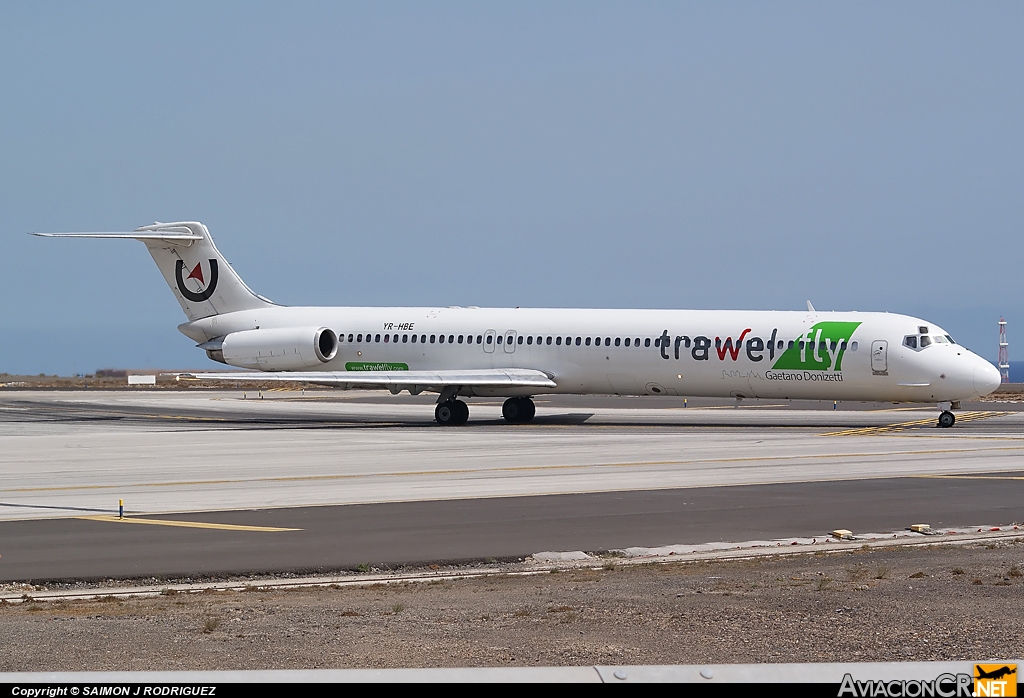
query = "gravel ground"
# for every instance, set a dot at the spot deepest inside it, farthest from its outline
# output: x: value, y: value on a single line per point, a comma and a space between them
x: 938, y: 603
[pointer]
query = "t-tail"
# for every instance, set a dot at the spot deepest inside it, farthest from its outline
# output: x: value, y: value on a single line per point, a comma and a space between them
x: 201, y: 279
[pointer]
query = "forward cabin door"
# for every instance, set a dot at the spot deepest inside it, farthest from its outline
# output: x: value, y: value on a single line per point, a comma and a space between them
x: 879, y: 357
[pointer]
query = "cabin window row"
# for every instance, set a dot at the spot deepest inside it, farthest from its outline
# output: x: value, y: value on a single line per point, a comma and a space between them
x: 558, y: 341
x: 495, y: 339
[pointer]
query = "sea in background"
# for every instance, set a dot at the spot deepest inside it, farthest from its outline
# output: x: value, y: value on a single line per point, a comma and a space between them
x: 1016, y: 371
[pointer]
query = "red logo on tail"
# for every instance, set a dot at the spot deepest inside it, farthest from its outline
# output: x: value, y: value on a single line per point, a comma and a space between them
x: 197, y: 273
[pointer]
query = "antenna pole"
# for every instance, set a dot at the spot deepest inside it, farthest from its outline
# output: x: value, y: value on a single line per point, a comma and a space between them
x: 1004, y: 352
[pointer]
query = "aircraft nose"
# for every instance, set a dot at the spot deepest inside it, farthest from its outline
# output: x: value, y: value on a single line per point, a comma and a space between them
x: 986, y: 378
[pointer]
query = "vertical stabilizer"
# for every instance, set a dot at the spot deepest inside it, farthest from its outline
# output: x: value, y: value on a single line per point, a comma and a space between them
x: 199, y: 276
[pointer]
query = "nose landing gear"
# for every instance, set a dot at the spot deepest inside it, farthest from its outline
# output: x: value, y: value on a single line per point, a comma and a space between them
x: 946, y: 419
x: 518, y: 410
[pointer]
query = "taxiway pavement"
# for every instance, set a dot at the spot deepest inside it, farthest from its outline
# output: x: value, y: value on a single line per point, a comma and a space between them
x: 370, y: 479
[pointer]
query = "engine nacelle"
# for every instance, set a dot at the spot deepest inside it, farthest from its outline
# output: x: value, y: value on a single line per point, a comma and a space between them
x: 288, y: 349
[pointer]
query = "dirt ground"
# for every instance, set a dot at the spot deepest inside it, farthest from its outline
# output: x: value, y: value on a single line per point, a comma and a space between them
x: 908, y: 603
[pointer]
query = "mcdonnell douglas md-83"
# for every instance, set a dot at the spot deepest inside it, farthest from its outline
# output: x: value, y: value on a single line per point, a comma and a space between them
x: 518, y: 353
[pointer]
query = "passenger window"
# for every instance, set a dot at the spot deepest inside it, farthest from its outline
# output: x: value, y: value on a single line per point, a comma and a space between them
x: 853, y: 346
x: 414, y: 339
x: 376, y: 338
x: 549, y: 341
x: 558, y: 341
x: 579, y: 340
x: 520, y: 340
x: 479, y: 339
x: 359, y: 337
x: 608, y: 342
x: 791, y: 343
x: 460, y: 339
x: 627, y: 341
x: 617, y: 340
x: 499, y: 339
x: 801, y: 344
x: 843, y: 345
x: 440, y: 339
x: 386, y: 338
x: 781, y: 344
x: 451, y: 338
x: 405, y: 338
x: 529, y: 340
x: 432, y: 338
x: 647, y: 342
x: 925, y: 341
x: 490, y: 339
x: 587, y: 341
x: 910, y: 341
x: 423, y: 339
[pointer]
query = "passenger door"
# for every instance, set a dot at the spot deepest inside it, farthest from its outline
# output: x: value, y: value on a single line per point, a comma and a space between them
x: 510, y: 341
x: 879, y: 357
x: 489, y: 341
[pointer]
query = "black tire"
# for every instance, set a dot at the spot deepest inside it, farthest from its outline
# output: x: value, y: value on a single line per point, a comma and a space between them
x: 446, y: 414
x: 947, y: 419
x: 511, y: 410
x: 462, y: 412
x: 529, y: 409
x: 518, y: 410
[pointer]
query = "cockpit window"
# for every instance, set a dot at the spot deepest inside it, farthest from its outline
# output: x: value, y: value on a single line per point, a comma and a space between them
x: 950, y: 339
x: 939, y: 339
x: 910, y: 341
x: 925, y: 341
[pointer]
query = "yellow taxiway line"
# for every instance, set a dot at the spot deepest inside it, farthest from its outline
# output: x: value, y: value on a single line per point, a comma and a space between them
x: 890, y: 428
x: 187, y: 524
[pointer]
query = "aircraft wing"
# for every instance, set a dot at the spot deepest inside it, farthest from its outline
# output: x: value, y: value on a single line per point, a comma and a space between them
x: 400, y: 380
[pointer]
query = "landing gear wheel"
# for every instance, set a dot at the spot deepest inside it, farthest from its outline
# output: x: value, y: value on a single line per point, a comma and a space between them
x: 451, y: 413
x: 529, y: 409
x: 462, y: 412
x: 947, y: 419
x: 518, y: 410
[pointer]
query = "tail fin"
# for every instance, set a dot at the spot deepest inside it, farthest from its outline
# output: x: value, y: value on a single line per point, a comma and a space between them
x: 201, y: 279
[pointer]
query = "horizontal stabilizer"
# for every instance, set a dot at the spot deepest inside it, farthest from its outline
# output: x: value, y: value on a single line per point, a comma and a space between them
x: 493, y: 377
x: 158, y: 236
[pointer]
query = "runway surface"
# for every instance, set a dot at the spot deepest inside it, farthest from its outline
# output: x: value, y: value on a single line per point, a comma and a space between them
x: 370, y: 479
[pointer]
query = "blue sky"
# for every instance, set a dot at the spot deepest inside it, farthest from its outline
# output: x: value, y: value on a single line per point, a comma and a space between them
x: 673, y: 155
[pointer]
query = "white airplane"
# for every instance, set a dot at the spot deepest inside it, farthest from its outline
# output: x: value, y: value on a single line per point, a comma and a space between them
x: 517, y: 353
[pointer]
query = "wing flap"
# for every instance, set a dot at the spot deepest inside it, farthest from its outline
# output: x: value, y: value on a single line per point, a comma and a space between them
x: 494, y: 377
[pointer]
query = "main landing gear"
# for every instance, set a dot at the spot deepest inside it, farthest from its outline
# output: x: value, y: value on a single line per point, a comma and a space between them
x: 451, y: 413
x: 518, y: 410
